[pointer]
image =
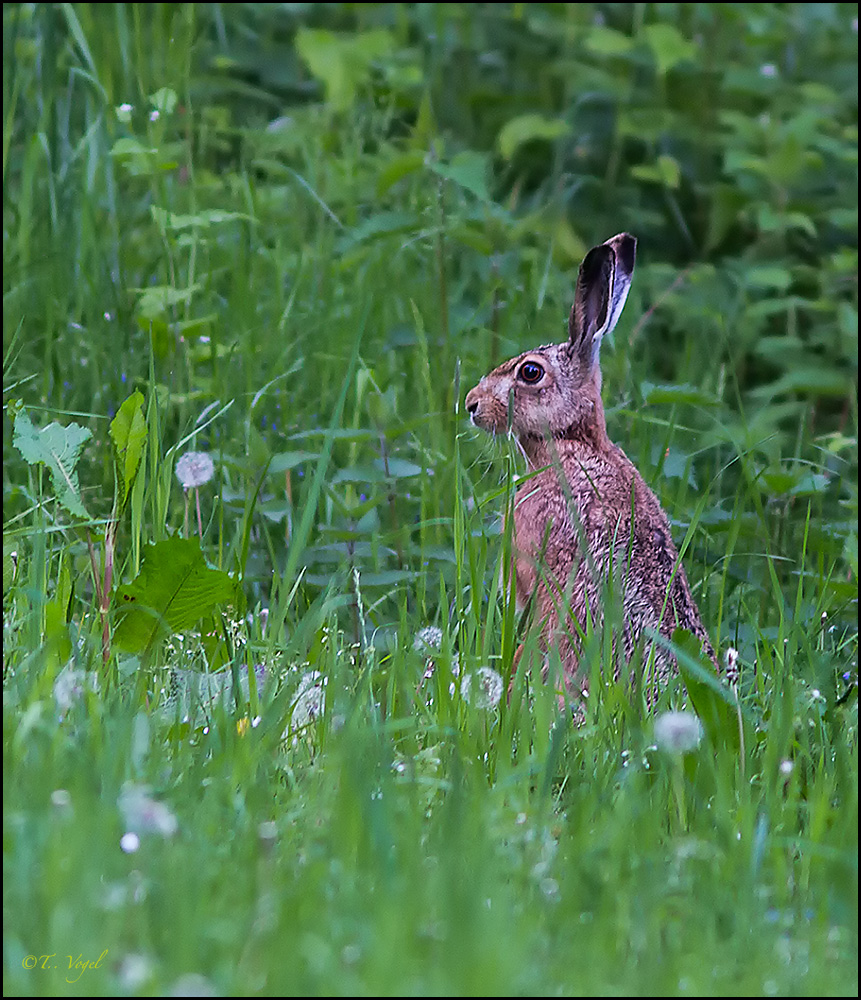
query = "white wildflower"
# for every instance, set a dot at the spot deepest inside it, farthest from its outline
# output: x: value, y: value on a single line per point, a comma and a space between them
x: 194, y: 469
x: 768, y: 69
x: 678, y: 732
x: 129, y: 843
x: 483, y: 689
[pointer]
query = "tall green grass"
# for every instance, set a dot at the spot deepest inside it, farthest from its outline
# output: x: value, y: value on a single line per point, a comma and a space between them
x: 302, y: 232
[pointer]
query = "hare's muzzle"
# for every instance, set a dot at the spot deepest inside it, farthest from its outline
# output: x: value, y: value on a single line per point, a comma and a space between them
x: 472, y: 404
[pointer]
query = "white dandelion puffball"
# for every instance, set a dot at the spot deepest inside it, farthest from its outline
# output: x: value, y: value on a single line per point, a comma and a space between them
x: 428, y: 640
x: 144, y: 814
x: 678, y: 732
x: 310, y: 700
x: 71, y: 685
x: 482, y: 689
x: 194, y: 469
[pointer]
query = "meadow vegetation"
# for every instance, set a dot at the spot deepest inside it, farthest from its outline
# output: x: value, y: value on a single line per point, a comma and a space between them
x: 256, y: 739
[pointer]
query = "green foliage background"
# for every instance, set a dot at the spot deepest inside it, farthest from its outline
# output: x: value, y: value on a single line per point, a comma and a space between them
x: 303, y: 231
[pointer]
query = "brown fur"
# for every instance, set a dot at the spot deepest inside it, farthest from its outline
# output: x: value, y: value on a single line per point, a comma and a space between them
x: 588, y: 506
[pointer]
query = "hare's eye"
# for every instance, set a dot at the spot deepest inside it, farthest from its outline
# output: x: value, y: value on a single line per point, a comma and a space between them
x: 531, y: 372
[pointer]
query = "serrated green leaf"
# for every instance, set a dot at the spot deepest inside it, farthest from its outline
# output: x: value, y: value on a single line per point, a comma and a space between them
x: 174, y: 590
x: 128, y: 432
x: 59, y: 448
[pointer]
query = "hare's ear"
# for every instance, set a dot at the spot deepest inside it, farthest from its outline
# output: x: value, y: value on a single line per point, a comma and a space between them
x: 602, y: 287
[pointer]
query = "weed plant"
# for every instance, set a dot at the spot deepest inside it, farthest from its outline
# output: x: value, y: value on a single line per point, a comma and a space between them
x: 257, y: 737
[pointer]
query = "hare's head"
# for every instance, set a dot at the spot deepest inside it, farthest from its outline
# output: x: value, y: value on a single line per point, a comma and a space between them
x: 556, y: 390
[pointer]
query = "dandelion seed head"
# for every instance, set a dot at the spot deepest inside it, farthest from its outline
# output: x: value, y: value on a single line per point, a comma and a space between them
x: 60, y: 799
x: 768, y: 70
x: 144, y: 814
x: 134, y: 970
x: 194, y: 469
x: 428, y: 639
x: 267, y: 831
x: 70, y: 685
x: 678, y: 732
x: 482, y: 689
x: 310, y: 700
x: 192, y: 984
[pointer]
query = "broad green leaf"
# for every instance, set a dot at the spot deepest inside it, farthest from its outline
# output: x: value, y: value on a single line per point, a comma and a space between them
x: 657, y: 394
x: 607, y: 42
x: 58, y: 645
x: 131, y: 147
x: 164, y: 100
x: 174, y: 590
x: 155, y: 301
x: 468, y: 170
x: 343, y: 64
x: 665, y: 171
x: 525, y: 128
x: 379, y: 225
x: 358, y: 474
x: 398, y: 468
x: 128, y: 432
x: 668, y: 47
x: 768, y: 276
x: 809, y: 381
x: 386, y: 578
x: 59, y: 448
x: 206, y: 217
x: 713, y: 702
x: 398, y: 167
x: 285, y: 460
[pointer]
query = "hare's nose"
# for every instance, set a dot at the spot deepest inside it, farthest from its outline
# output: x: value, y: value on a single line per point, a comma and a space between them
x: 471, y: 405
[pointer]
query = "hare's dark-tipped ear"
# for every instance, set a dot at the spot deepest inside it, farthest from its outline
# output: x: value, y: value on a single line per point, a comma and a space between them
x: 602, y: 287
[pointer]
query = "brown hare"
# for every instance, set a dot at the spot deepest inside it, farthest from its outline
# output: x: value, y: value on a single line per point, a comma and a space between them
x: 586, y: 520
